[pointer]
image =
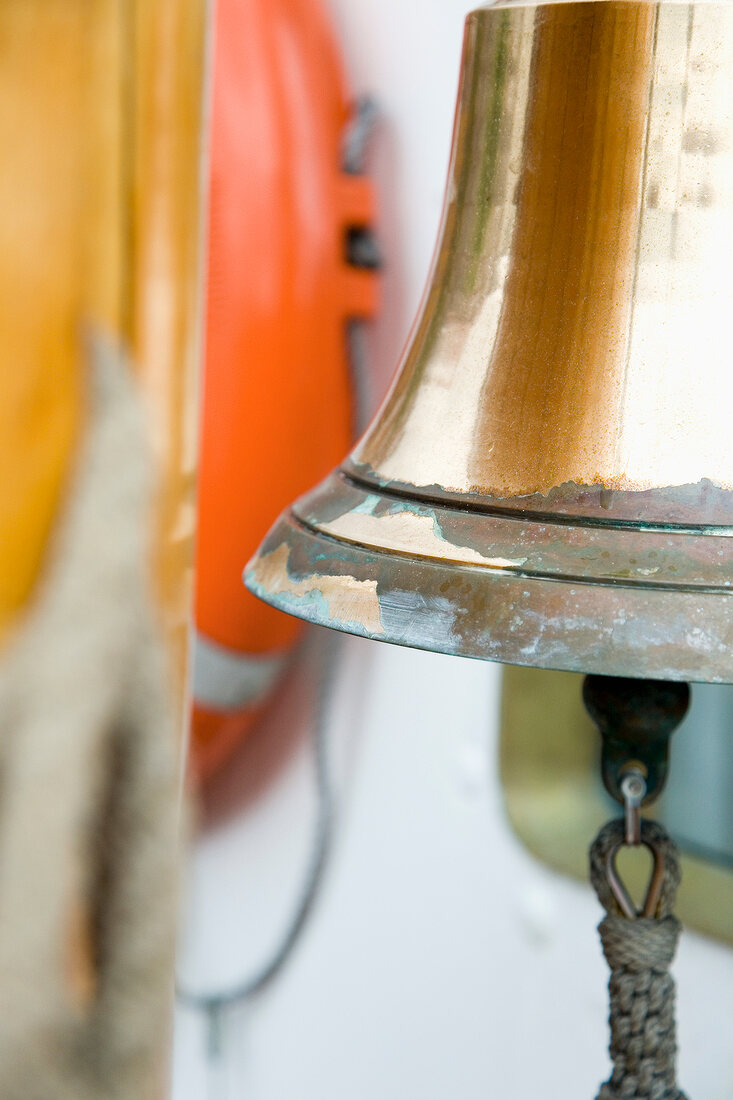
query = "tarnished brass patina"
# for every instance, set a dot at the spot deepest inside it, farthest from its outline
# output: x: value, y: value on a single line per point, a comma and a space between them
x: 550, y: 480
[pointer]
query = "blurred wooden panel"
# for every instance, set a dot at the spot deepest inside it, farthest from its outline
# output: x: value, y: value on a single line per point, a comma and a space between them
x: 100, y: 190
x: 109, y: 89
x: 101, y: 129
x: 42, y: 230
x: 165, y: 315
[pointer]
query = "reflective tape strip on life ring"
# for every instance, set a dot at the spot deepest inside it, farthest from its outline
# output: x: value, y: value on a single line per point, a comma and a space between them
x: 227, y: 679
x: 231, y: 690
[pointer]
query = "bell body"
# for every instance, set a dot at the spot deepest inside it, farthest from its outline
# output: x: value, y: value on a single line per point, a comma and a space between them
x: 550, y: 480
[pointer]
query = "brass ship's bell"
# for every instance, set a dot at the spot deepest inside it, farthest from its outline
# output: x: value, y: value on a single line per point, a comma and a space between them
x: 550, y: 480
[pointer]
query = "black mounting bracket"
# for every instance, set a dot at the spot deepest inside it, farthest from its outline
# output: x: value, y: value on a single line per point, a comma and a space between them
x: 636, y: 719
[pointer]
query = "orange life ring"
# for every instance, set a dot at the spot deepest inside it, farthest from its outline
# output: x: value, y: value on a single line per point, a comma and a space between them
x: 277, y: 401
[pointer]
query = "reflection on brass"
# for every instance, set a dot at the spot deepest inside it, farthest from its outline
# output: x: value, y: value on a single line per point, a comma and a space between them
x: 550, y: 754
x: 575, y: 327
x: 550, y: 480
x: 567, y: 297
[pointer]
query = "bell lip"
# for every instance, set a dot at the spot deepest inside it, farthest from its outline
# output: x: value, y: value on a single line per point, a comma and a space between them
x: 504, y: 614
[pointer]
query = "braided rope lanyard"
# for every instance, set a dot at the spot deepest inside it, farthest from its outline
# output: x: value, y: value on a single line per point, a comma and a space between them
x: 639, y: 948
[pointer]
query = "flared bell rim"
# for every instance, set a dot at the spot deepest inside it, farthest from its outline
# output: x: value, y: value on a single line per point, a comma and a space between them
x: 620, y: 600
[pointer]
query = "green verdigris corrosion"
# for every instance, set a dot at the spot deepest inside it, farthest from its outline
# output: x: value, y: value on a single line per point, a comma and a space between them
x: 563, y: 592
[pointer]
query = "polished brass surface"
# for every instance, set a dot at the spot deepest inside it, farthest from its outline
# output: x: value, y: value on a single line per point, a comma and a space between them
x: 576, y: 328
x: 550, y: 479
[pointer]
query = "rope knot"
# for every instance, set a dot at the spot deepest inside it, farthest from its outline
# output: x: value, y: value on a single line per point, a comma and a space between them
x: 639, y: 953
x: 638, y: 945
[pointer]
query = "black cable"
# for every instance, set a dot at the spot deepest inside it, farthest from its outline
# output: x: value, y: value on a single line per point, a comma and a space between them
x: 215, y: 1002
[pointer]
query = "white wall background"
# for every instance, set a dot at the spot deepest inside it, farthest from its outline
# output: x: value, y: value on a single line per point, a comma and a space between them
x: 441, y: 961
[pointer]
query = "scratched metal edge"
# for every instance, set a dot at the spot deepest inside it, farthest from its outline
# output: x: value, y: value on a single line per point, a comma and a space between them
x: 703, y: 507
x: 496, y: 615
x: 528, y: 545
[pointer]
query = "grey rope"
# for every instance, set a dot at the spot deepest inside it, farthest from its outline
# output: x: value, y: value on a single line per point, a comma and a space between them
x: 639, y: 952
